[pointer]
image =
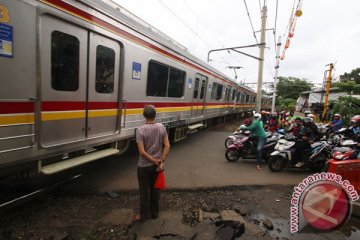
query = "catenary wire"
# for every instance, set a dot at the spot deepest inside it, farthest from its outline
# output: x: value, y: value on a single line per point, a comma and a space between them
x: 187, y: 26
x: 252, y: 27
x: 206, y: 27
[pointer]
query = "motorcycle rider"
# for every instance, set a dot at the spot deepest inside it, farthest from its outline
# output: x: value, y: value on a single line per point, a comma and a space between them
x: 274, y: 123
x: 337, y: 123
x: 258, y: 131
x: 295, y: 127
x: 303, y: 143
x: 354, y: 130
x: 264, y: 117
x: 315, y: 128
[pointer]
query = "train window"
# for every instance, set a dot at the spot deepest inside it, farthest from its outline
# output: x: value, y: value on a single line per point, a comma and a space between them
x: 176, y: 83
x: 238, y: 97
x: 64, y: 61
x: 105, y: 63
x: 202, y: 90
x: 157, y: 80
x: 227, y: 93
x: 219, y: 92
x: 164, y: 81
x: 196, y: 88
x: 213, y: 90
x: 233, y: 95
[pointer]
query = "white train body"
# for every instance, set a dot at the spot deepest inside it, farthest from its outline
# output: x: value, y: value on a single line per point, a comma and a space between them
x: 75, y: 75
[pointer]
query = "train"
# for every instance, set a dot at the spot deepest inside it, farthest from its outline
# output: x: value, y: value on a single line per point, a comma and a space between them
x: 75, y: 77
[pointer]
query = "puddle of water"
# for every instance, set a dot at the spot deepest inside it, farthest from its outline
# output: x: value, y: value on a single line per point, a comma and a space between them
x: 350, y: 231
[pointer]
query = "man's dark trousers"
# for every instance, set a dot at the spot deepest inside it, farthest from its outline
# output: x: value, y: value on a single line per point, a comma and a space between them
x: 149, y: 196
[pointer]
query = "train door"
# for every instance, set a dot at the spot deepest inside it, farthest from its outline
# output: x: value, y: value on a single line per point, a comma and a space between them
x: 102, y: 108
x: 79, y: 83
x: 199, y: 96
x: 63, y: 57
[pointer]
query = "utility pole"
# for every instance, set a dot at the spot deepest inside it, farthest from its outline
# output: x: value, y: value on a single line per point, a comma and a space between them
x: 328, y: 84
x: 278, y: 45
x: 261, y: 57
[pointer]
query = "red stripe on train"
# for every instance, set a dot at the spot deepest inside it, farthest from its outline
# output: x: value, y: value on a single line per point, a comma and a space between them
x: 28, y: 107
x: 16, y: 107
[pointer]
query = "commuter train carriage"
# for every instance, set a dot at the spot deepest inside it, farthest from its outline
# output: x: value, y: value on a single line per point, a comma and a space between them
x: 75, y: 76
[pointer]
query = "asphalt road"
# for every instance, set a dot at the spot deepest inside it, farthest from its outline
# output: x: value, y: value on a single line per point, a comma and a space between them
x: 196, y: 162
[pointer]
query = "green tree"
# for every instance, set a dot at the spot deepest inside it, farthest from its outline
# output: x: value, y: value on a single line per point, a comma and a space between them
x: 291, y: 87
x: 286, y: 103
x: 348, y: 107
x: 354, y: 75
x: 347, y: 86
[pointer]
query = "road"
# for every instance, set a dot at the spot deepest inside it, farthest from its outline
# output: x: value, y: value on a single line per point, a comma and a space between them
x: 196, y: 162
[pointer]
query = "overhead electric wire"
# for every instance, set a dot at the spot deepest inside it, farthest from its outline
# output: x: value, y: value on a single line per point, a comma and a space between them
x: 252, y: 27
x: 206, y: 27
x: 186, y: 25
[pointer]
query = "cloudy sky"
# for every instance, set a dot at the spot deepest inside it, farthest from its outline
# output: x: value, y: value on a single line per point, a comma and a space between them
x: 327, y: 32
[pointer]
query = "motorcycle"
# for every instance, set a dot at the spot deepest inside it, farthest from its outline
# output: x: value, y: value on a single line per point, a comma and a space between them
x: 245, y: 147
x: 284, y: 154
x: 240, y: 134
x: 345, y: 150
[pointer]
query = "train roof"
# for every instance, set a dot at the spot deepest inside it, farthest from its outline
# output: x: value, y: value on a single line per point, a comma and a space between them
x: 119, y: 13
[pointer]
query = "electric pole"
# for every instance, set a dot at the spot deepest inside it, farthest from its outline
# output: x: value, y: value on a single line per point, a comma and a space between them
x: 328, y: 84
x: 261, y: 57
x: 278, y: 45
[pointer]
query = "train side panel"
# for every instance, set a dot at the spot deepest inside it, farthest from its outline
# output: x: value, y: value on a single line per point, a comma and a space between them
x: 18, y: 81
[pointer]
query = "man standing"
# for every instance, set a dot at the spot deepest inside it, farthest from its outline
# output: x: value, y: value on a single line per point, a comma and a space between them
x: 257, y: 129
x: 153, y: 146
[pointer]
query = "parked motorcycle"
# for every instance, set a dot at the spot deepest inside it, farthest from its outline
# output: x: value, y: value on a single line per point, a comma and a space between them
x: 245, y: 147
x: 284, y: 154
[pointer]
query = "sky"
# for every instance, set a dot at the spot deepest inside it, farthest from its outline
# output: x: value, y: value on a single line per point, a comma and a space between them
x: 327, y: 32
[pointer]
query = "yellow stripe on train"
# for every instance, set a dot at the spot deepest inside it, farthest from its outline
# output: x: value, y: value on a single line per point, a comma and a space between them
x: 7, y: 119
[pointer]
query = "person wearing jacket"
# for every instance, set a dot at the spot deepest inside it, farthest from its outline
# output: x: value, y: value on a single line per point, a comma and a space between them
x: 337, y: 123
x: 258, y: 131
x: 303, y: 143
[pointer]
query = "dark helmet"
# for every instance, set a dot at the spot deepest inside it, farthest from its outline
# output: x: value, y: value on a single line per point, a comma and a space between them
x: 247, y: 122
x: 307, y: 121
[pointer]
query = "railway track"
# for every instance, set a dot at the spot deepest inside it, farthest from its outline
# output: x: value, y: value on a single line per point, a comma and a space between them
x: 23, y: 198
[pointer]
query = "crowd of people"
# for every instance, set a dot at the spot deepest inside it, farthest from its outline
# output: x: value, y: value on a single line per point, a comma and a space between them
x: 304, y: 129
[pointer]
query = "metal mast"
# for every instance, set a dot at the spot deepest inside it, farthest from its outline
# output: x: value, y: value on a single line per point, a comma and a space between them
x: 261, y: 57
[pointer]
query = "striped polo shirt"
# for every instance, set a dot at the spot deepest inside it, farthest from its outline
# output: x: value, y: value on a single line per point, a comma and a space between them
x: 152, y: 136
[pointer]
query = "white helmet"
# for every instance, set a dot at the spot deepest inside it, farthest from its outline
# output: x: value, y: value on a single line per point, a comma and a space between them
x: 337, y: 115
x: 257, y: 115
x: 310, y: 115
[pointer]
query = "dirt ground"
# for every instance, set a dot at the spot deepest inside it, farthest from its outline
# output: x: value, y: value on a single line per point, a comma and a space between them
x: 81, y: 217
